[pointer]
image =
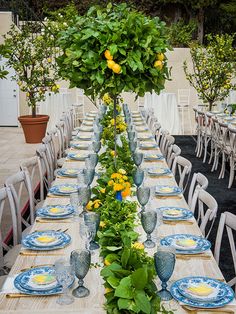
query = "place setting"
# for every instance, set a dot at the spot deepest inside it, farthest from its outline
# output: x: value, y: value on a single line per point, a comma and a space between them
x: 168, y: 191
x: 153, y: 157
x: 159, y: 172
x: 71, y: 156
x: 79, y: 145
x: 63, y: 190
x: 68, y: 172
x: 50, y: 213
x: 173, y: 215
x: 148, y: 145
x: 83, y: 137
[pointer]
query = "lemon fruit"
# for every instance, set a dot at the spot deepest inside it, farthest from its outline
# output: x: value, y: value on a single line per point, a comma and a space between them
x: 116, y: 68
x: 158, y: 64
x: 110, y: 64
x: 201, y: 289
x: 108, y: 55
x: 160, y: 56
x: 46, y: 239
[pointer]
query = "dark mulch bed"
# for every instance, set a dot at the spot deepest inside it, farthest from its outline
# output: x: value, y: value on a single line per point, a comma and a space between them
x: 225, y: 197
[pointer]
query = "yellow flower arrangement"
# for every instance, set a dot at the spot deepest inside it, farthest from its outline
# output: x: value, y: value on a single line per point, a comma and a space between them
x: 107, y: 99
x: 120, y: 124
x: 93, y: 204
x: 119, y: 182
x: 138, y: 245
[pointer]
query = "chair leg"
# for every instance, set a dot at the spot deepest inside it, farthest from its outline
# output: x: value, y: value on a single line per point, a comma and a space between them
x: 205, y: 149
x: 190, y: 120
x: 212, y: 152
x: 214, y: 162
x: 222, y: 171
x: 231, y: 173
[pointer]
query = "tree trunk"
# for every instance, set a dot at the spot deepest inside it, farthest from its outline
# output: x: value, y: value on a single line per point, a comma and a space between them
x: 211, y: 103
x: 34, y: 111
x: 200, y: 25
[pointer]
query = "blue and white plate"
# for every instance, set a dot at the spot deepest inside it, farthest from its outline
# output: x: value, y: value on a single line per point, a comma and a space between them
x: 24, y: 282
x: 202, y: 304
x: 217, y: 289
x: 138, y: 123
x: 145, y: 137
x: 153, y: 157
x: 63, y: 189
x: 85, y: 129
x: 141, y: 129
x: 221, y: 115
x: 150, y: 145
x: 84, y: 137
x: 186, y: 243
x: 175, y: 213
x: 69, y: 172
x: 77, y: 156
x: 36, y: 240
x: 166, y: 190
x: 79, y: 145
x: 229, y: 118
x: 55, y: 211
x: 159, y: 171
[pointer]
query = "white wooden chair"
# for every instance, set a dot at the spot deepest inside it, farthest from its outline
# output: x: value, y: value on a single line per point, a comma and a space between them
x: 169, y: 141
x: 47, y: 141
x: 184, y: 105
x: 232, y: 159
x: 228, y: 222
x: 198, y: 180
x: 41, y: 151
x: 161, y: 138
x: 34, y: 167
x: 181, y: 169
x: 206, y: 207
x: 23, y: 196
x: 173, y: 151
x: 225, y: 148
x: 7, y: 260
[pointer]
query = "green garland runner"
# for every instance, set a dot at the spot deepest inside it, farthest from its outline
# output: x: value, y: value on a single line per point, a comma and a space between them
x: 128, y: 271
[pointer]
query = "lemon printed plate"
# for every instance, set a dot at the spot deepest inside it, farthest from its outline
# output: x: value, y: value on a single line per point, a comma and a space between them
x: 46, y: 240
x: 166, y: 190
x: 159, y: 171
x: 175, y: 213
x: 55, y: 211
x: 77, y: 156
x: 63, y: 189
x: 39, y: 281
x: 68, y: 172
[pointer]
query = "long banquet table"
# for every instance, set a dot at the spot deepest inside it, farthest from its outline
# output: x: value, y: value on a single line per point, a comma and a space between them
x: 93, y: 304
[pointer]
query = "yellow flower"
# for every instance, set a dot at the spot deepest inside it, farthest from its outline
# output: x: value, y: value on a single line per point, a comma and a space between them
x: 103, y: 190
x: 126, y: 192
x: 102, y: 224
x: 112, y: 153
x: 125, y: 178
x: 112, y: 121
x: 107, y: 290
x: 115, y: 176
x: 89, y: 205
x: 97, y: 203
x: 106, y: 262
x: 138, y: 245
x: 28, y: 94
x: 49, y: 60
x: 118, y: 187
x: 110, y: 183
x: 122, y: 171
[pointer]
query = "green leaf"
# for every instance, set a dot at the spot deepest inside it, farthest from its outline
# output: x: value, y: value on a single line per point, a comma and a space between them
x: 114, y: 248
x: 113, y: 49
x: 139, y: 278
x: 125, y: 304
x: 142, y: 302
x: 124, y: 290
x: 108, y: 270
x: 113, y: 281
x: 125, y: 257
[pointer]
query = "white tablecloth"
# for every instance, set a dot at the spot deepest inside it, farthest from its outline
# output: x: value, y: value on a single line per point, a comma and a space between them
x: 165, y: 108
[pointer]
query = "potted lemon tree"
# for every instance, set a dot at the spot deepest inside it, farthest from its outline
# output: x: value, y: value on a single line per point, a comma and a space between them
x: 30, y: 53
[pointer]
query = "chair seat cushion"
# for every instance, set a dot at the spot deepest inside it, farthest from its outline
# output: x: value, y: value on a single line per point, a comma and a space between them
x: 11, y: 255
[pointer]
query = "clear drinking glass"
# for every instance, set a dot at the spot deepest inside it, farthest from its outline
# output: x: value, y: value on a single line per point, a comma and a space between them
x: 164, y: 260
x: 84, y: 193
x: 143, y: 195
x: 75, y: 203
x: 85, y: 234
x: 91, y: 219
x: 65, y: 275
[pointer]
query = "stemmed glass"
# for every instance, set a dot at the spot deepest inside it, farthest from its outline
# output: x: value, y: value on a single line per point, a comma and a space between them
x: 89, y: 175
x: 133, y: 146
x: 143, y: 195
x: 149, y: 221
x: 91, y: 161
x: 138, y: 176
x: 131, y: 135
x: 138, y: 158
x: 80, y: 260
x: 85, y: 234
x: 92, y: 218
x: 64, y: 275
x: 76, y: 204
x: 164, y: 260
x: 96, y: 146
x: 84, y: 193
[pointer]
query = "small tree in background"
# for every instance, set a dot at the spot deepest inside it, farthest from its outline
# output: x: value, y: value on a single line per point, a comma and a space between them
x: 213, y: 69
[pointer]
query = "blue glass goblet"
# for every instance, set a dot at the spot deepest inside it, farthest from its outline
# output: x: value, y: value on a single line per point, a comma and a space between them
x: 91, y: 217
x: 96, y: 146
x: 138, y: 176
x: 84, y: 194
x: 131, y: 135
x: 143, y: 195
x: 80, y: 261
x: 138, y: 158
x: 91, y: 161
x: 164, y: 260
x: 89, y: 175
x: 133, y: 146
x: 149, y: 221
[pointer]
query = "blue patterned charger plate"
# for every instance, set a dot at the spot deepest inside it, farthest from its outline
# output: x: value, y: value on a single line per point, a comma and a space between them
x: 23, y: 282
x: 150, y: 145
x: 84, y: 137
x: 229, y: 296
x: 186, y: 243
x: 63, y: 189
x: 218, y: 288
x: 77, y: 156
x: 153, y: 157
x: 159, y: 171
x: 69, y: 172
x: 175, y: 213
x: 79, y: 145
x: 168, y: 190
x: 33, y: 240
x: 55, y: 211
x: 145, y: 137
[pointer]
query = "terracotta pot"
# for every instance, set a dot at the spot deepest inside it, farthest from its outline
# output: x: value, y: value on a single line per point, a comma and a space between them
x: 34, y: 128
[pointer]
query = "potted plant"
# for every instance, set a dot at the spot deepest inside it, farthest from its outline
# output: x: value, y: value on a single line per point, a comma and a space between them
x: 213, y: 69
x: 30, y: 53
